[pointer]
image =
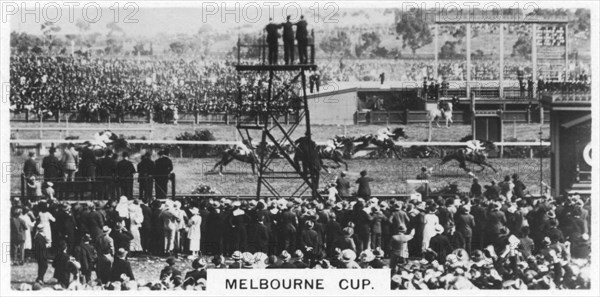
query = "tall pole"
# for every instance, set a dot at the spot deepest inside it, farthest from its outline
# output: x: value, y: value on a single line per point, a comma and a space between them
x: 436, y: 50
x: 541, y: 164
x: 534, y: 55
x: 566, y: 51
x: 468, y: 58
x: 501, y: 90
x: 314, y: 173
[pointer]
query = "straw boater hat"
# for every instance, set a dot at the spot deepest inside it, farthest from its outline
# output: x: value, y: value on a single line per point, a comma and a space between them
x: 348, y: 255
x: 106, y: 229
x: 237, y: 255
x: 367, y: 256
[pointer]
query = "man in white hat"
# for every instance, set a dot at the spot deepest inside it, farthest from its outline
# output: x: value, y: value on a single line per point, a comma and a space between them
x: 440, y: 244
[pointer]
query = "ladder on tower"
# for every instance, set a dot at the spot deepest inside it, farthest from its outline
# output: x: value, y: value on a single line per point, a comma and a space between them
x: 269, y: 124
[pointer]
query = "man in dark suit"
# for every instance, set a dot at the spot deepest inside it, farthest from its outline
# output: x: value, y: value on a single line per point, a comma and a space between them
x: 440, y: 244
x: 364, y: 189
x: 106, y: 172
x: 519, y: 188
x: 496, y: 223
x: 30, y: 167
x: 40, y: 253
x: 86, y: 255
x: 121, y: 236
x: 310, y: 241
x: 121, y: 266
x: 145, y: 171
x: 162, y: 169
x: 259, y: 236
x: 87, y: 164
x: 465, y: 223
x: 94, y: 221
x: 51, y: 165
x: 273, y: 41
x: 343, y: 185
x: 302, y: 38
x: 125, y: 171
x: 18, y: 234
x: 288, y: 41
x: 146, y: 229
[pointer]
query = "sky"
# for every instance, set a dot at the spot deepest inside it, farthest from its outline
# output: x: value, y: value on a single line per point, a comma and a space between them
x: 151, y: 18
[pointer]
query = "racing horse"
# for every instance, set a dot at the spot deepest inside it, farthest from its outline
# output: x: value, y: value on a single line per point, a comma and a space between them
x: 334, y: 155
x: 479, y: 159
x: 231, y: 154
x: 103, y: 141
x: 386, y: 147
x: 444, y: 111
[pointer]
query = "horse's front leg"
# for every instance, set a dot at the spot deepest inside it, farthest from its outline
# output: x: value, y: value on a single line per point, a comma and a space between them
x: 490, y: 165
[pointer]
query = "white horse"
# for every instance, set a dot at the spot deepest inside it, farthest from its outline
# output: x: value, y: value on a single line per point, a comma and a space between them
x: 436, y: 114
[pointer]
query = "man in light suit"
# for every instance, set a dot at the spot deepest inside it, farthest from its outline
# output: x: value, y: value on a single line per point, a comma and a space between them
x: 70, y: 161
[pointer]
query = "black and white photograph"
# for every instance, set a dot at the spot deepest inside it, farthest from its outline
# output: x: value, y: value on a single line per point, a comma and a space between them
x: 230, y: 146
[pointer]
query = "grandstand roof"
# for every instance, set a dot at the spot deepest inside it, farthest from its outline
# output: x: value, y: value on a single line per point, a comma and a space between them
x: 493, y: 19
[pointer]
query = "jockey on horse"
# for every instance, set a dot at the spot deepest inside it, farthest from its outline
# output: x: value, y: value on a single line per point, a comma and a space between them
x: 383, y: 135
x: 443, y: 106
x: 241, y: 148
x: 331, y: 145
x: 103, y: 138
x: 474, y: 148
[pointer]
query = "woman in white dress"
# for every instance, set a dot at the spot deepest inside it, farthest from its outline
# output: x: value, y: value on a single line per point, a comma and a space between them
x: 28, y: 218
x: 136, y: 217
x: 45, y: 218
x: 122, y: 209
x: 194, y: 231
x: 431, y: 220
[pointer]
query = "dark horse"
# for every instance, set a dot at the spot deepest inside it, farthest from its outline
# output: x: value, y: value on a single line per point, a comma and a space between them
x: 234, y: 154
x: 334, y: 155
x: 388, y: 146
x: 479, y: 159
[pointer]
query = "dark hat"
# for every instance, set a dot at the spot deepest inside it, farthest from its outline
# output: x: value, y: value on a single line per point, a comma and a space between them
x: 171, y: 260
x: 217, y: 260
x: 199, y: 263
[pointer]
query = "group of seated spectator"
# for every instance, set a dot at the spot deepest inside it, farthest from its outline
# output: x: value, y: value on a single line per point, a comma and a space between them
x: 98, y: 88
x: 577, y: 84
x: 500, y: 238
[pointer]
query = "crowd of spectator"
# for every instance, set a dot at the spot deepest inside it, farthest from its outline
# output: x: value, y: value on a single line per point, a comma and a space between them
x: 99, y: 87
x: 497, y: 237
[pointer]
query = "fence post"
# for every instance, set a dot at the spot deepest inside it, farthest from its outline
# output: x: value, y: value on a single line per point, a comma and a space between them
x: 41, y: 127
x: 406, y: 116
x: 173, y: 185
x: 23, y: 193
